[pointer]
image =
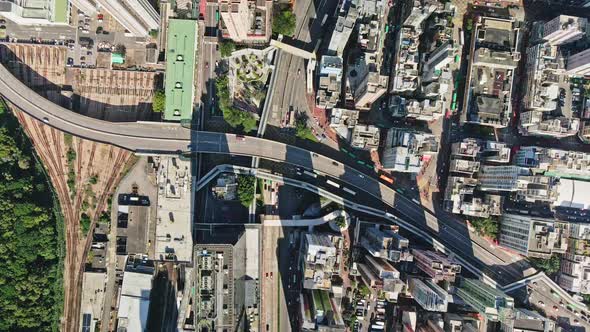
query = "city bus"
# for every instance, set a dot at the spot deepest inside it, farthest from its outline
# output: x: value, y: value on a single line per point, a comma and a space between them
x: 353, y: 193
x: 386, y: 178
x: 332, y: 183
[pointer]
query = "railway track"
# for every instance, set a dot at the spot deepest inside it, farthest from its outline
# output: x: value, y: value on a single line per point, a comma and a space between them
x: 55, y: 169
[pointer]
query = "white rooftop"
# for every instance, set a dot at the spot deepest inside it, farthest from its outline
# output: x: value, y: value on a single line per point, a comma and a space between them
x: 174, y: 215
x: 135, y: 301
x: 573, y: 193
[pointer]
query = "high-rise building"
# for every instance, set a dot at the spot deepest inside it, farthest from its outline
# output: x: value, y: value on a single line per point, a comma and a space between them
x: 330, y: 81
x: 579, y: 63
x: 246, y: 21
x: 495, y: 56
x: 429, y: 295
x: 381, y: 275
x: 406, y: 150
x: 436, y: 265
x: 492, y: 303
x: 554, y: 162
x: 345, y: 22
x: 43, y: 12
x: 531, y: 321
x: 386, y: 244
x: 532, y: 236
x: 501, y: 178
x: 564, y: 29
x: 574, y: 274
x: 320, y: 260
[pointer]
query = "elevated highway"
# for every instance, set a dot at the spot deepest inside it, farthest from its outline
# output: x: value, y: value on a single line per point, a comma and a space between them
x: 173, y: 138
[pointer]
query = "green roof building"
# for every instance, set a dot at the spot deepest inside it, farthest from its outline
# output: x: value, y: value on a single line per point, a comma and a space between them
x: 61, y: 11
x: 117, y: 58
x: 492, y: 303
x: 180, y: 69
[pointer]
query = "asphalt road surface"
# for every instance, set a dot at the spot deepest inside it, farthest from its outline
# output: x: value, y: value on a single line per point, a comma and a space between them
x: 171, y: 138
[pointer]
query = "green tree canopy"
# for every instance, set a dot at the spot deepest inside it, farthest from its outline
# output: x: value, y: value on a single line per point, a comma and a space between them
x: 226, y: 48
x: 238, y: 118
x: 549, y: 266
x: 340, y: 222
x: 284, y: 23
x: 485, y: 227
x: 30, y: 274
x: 233, y: 116
x: 246, y: 189
x: 159, y: 101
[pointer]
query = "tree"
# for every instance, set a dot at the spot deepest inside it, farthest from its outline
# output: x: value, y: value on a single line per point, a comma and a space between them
x: 154, y: 33
x: 284, y: 23
x: 246, y: 189
x: 469, y: 24
x: 226, y: 48
x: 239, y: 119
x: 93, y: 179
x: 233, y: 116
x: 301, y: 129
x: 549, y: 266
x: 340, y: 222
x: 30, y: 249
x: 159, y: 101
x: 485, y: 227
x: 85, y: 223
x: 364, y: 291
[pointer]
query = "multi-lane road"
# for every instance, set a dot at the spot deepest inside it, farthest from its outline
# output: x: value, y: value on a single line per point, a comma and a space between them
x: 172, y: 138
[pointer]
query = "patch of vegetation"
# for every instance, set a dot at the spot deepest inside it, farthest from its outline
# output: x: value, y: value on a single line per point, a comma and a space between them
x: 31, y: 249
x: 71, y: 155
x: 485, y: 227
x: 340, y: 221
x: 154, y: 33
x: 469, y: 25
x: 549, y: 266
x: 71, y: 180
x: 301, y: 129
x: 93, y: 179
x: 363, y: 290
x: 226, y: 48
x: 85, y: 223
x: 246, y: 189
x: 284, y: 23
x: 68, y: 139
x: 85, y: 206
x: 234, y: 117
x: 105, y: 217
x: 159, y: 101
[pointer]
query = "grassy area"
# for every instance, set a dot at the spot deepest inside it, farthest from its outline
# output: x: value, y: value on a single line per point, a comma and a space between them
x: 307, y: 134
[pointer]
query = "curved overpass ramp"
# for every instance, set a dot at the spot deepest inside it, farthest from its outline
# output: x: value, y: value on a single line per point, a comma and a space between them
x: 172, y: 138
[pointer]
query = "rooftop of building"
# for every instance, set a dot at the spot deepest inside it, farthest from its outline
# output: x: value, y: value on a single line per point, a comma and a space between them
x: 365, y: 137
x: 134, y: 301
x: 174, y: 215
x: 180, y: 69
x: 497, y: 33
x: 573, y: 194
